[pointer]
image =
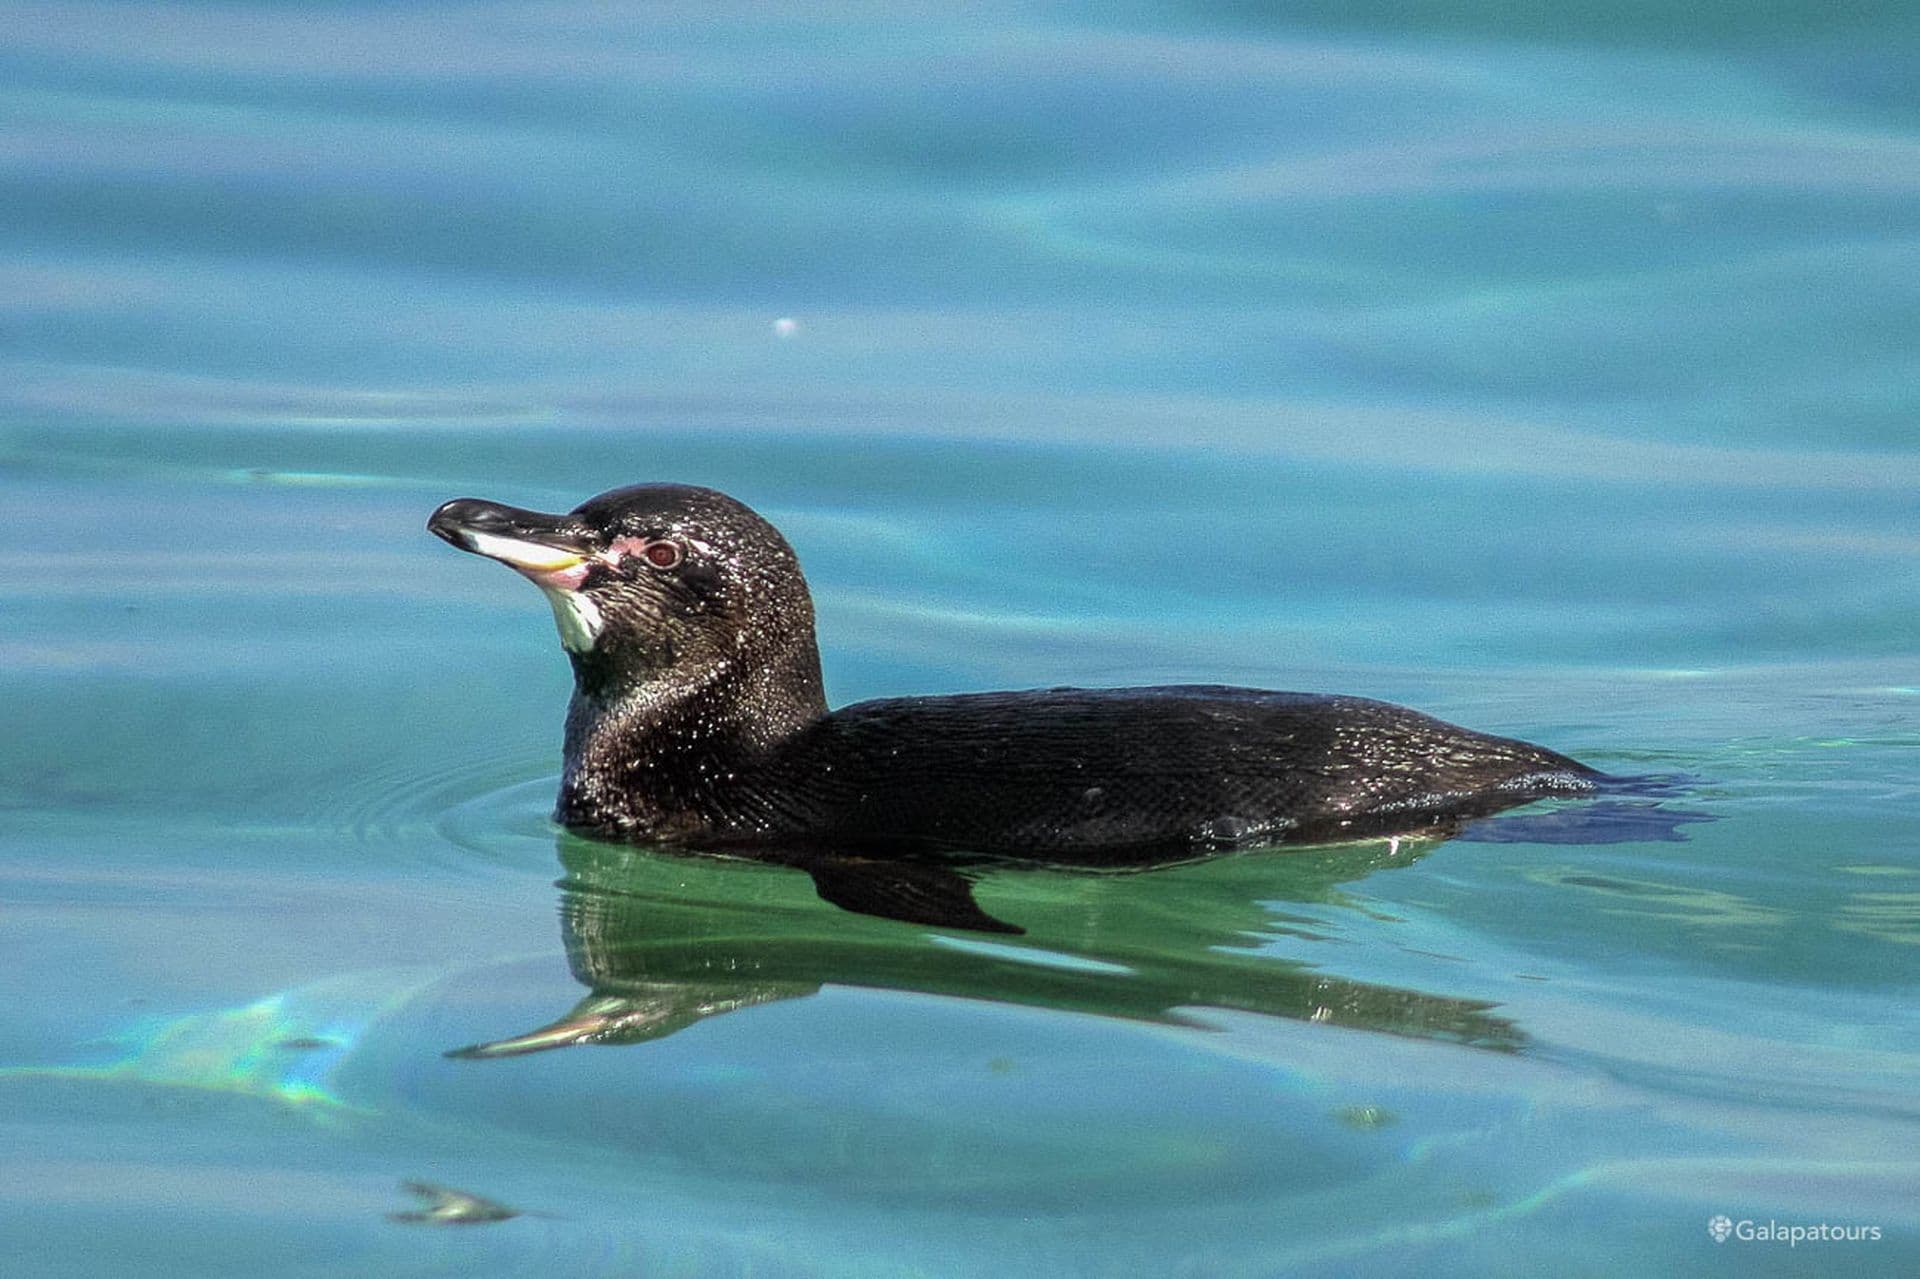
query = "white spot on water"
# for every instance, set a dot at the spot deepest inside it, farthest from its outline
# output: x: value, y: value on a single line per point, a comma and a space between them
x: 785, y: 327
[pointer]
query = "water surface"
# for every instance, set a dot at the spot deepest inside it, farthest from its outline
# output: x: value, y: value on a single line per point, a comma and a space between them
x: 1552, y: 377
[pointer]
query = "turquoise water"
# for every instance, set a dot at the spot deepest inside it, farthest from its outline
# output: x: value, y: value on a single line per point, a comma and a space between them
x: 1551, y: 371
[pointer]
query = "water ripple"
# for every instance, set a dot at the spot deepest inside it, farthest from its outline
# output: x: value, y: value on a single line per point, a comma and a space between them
x: 485, y: 812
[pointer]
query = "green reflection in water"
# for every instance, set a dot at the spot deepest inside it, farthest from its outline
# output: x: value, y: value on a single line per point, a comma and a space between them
x: 1893, y: 917
x: 1682, y: 903
x: 665, y: 940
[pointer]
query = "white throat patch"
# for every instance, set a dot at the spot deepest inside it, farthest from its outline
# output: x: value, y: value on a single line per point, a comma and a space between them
x: 577, y: 617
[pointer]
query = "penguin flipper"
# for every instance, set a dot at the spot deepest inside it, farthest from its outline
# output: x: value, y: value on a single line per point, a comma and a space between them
x: 913, y: 892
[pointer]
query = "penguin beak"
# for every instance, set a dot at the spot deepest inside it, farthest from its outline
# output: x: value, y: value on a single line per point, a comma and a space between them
x: 552, y: 551
x: 544, y: 547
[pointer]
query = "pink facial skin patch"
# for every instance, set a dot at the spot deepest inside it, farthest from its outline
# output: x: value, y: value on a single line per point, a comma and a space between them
x: 621, y: 547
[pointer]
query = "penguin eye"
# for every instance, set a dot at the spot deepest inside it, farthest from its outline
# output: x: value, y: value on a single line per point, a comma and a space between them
x: 662, y: 554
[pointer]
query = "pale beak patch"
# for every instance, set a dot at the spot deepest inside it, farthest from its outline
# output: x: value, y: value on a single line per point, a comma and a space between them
x: 528, y: 557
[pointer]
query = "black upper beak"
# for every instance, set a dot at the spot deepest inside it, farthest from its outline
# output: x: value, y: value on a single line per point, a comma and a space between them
x: 523, y: 539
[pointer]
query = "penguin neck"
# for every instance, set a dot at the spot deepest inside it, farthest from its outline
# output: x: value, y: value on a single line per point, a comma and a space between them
x: 663, y: 754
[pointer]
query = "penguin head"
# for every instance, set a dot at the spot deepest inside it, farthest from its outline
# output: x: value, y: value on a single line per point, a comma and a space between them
x: 651, y: 581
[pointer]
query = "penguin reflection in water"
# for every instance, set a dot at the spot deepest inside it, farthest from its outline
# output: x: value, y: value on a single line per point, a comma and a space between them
x: 665, y: 943
x: 698, y: 722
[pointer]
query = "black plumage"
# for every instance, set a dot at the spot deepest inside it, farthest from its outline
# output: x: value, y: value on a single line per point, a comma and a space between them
x: 698, y: 719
